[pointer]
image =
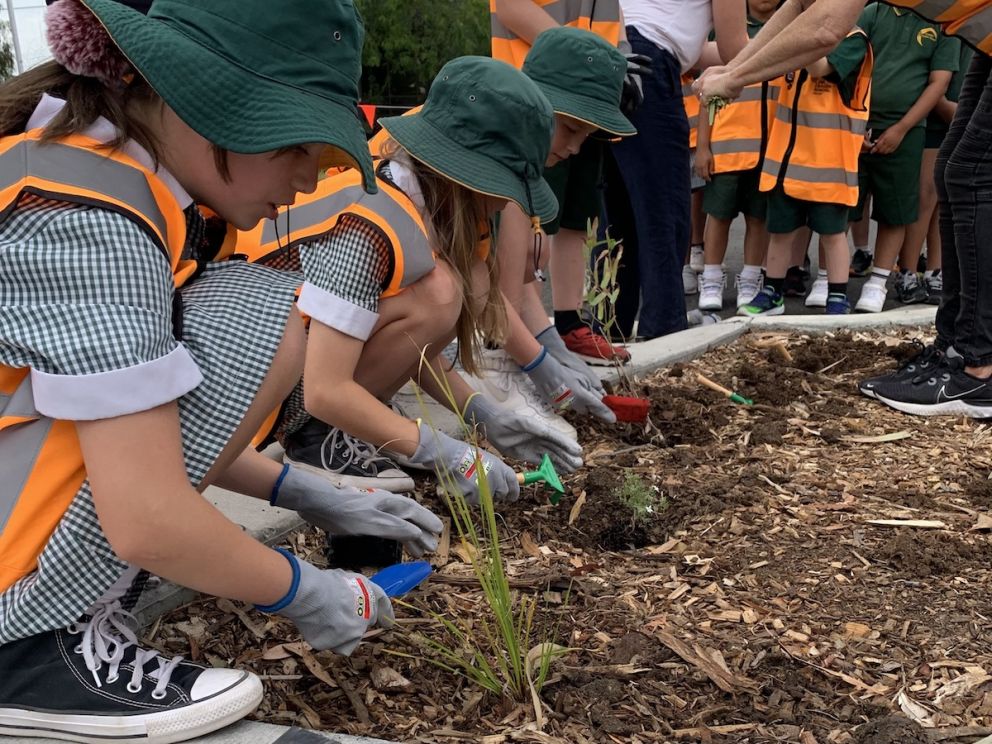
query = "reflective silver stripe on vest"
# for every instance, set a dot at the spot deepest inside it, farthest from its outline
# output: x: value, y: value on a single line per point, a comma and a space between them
x: 418, y: 259
x: 748, y: 94
x: 731, y: 146
x: 693, y: 122
x: 305, y: 218
x: 808, y: 174
x: 565, y: 12
x: 816, y: 120
x: 85, y: 169
x: 975, y: 30
x: 310, y: 221
x: 20, y: 445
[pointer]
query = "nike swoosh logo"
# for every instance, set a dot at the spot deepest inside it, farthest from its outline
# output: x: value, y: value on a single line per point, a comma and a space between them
x: 943, y: 393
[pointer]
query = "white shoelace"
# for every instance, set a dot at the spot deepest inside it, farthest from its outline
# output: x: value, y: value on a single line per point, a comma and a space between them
x: 107, y: 636
x: 353, y: 450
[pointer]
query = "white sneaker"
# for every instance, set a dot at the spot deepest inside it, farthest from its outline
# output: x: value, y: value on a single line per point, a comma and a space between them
x: 872, y: 298
x: 696, y: 261
x: 690, y: 282
x: 817, y: 296
x: 711, y: 293
x: 503, y: 382
x: 747, y: 289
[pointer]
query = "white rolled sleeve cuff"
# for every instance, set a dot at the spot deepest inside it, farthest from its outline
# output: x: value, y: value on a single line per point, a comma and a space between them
x: 118, y: 392
x: 336, y: 312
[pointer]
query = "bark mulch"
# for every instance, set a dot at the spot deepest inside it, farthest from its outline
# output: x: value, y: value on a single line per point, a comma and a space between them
x: 754, y: 601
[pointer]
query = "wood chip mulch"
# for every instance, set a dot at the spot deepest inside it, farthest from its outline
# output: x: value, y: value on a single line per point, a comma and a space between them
x: 760, y: 604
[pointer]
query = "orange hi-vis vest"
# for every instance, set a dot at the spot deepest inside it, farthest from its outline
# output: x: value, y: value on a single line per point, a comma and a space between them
x: 740, y: 130
x: 691, y: 102
x: 602, y: 17
x: 816, y: 138
x: 314, y: 215
x: 969, y: 20
x: 41, y: 466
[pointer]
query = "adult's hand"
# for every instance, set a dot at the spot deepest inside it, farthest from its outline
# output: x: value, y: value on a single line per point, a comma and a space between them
x: 717, y: 82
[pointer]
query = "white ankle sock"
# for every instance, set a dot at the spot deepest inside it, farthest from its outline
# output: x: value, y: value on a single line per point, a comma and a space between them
x: 878, y: 276
x: 712, y: 272
x: 821, y: 273
x: 751, y: 273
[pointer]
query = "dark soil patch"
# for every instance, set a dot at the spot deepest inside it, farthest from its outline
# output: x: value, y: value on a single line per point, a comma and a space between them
x: 766, y: 430
x: 684, y: 421
x: 890, y: 730
x: 924, y: 553
x: 979, y: 491
x: 843, y: 353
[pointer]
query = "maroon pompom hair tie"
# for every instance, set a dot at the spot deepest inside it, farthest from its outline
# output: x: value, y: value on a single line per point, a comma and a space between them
x: 81, y: 44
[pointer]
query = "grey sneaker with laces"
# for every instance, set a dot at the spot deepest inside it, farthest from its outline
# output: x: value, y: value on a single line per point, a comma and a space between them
x: 343, y: 459
x: 93, y: 682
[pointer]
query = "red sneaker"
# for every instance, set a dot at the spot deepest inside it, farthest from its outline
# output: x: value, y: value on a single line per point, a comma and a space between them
x: 593, y: 347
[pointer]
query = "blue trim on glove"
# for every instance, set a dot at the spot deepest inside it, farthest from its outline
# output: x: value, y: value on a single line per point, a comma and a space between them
x: 291, y: 594
x: 279, y: 480
x: 536, y: 361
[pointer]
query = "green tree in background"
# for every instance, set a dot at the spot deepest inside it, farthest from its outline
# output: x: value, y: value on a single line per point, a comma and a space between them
x: 407, y: 42
x: 6, y: 52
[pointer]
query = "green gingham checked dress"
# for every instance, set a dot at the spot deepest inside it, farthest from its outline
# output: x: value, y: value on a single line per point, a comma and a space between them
x: 84, y: 293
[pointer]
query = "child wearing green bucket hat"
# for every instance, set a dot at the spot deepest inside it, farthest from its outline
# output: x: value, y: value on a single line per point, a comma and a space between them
x: 582, y: 76
x: 133, y: 371
x: 392, y: 278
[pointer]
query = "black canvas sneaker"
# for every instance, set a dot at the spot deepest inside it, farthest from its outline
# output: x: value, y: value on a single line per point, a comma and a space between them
x: 92, y: 682
x: 861, y: 262
x: 920, y: 364
x: 946, y: 390
x: 343, y: 459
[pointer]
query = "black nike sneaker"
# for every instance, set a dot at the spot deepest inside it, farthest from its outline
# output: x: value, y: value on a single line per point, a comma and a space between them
x: 946, y: 390
x: 922, y: 363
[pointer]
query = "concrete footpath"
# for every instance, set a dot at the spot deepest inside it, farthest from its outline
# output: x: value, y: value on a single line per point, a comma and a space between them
x: 270, y: 524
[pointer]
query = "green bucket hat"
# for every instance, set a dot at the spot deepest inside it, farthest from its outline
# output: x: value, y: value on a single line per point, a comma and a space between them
x: 251, y: 76
x: 582, y: 75
x: 487, y: 127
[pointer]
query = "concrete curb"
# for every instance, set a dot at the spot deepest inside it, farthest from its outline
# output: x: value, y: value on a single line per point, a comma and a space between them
x: 253, y: 732
x: 902, y: 316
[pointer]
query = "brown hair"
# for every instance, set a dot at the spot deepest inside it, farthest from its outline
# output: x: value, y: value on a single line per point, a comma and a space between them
x: 458, y: 223
x: 86, y: 99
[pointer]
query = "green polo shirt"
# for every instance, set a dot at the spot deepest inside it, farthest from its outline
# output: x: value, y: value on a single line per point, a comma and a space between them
x: 846, y: 60
x: 907, y: 49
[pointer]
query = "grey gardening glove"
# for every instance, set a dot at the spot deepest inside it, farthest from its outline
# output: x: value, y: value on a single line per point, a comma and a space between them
x: 523, y: 437
x: 447, y: 455
x: 553, y: 342
x: 358, y: 511
x: 563, y: 387
x: 332, y: 609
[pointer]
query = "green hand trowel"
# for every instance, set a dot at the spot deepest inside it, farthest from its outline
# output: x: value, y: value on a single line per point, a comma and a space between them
x: 545, y: 474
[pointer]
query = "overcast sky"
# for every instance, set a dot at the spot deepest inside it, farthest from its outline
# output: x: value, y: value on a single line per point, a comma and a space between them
x: 29, y: 15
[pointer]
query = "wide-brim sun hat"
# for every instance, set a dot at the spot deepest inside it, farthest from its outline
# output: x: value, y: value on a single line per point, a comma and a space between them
x: 582, y: 75
x: 486, y: 126
x: 249, y: 76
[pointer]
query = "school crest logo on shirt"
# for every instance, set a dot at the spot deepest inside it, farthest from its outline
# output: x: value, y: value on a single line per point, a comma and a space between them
x: 926, y: 33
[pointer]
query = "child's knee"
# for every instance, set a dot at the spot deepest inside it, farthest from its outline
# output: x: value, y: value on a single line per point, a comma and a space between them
x: 439, y: 297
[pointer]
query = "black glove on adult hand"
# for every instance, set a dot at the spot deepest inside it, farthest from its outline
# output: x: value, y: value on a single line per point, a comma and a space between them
x: 638, y: 67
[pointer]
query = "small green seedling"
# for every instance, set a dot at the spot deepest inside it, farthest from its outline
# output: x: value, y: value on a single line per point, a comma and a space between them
x: 545, y: 474
x: 716, y: 103
x: 644, y: 502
